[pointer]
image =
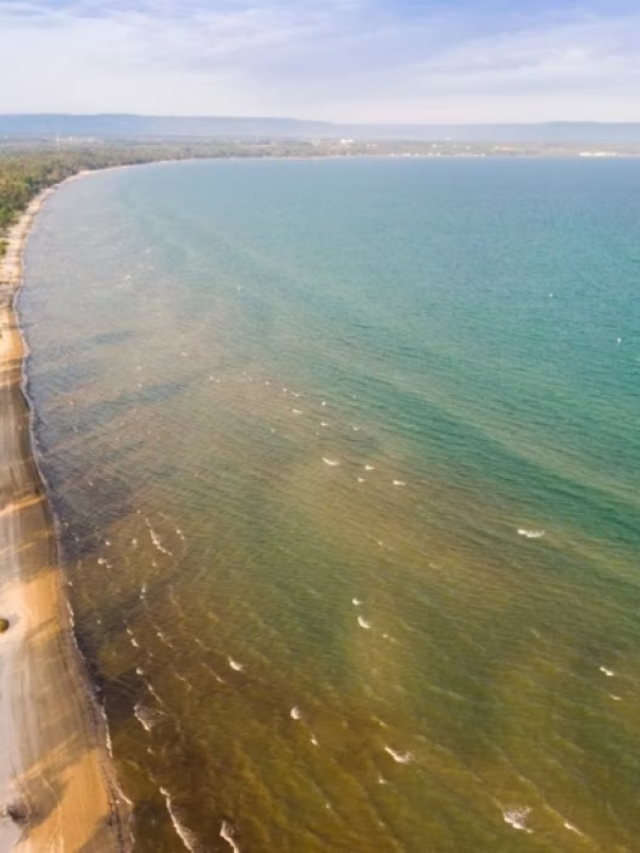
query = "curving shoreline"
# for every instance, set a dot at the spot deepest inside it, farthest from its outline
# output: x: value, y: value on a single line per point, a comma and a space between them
x: 57, y: 784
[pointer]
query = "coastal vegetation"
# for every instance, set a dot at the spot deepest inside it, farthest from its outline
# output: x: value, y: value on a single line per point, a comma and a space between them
x: 27, y: 167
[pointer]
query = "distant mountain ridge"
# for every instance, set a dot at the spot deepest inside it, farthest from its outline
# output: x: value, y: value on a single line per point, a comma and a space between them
x: 124, y: 126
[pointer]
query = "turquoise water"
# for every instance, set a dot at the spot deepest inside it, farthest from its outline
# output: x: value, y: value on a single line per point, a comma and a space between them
x: 346, y: 462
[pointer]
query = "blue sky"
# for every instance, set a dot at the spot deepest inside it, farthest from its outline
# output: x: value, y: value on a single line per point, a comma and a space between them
x: 345, y: 60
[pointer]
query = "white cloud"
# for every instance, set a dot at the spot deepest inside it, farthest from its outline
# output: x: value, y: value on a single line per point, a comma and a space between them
x: 343, y: 59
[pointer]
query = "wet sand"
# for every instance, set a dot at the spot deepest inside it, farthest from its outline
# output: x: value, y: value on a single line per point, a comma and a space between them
x: 57, y: 786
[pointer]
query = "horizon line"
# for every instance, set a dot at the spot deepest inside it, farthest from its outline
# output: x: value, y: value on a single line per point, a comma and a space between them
x: 245, y: 117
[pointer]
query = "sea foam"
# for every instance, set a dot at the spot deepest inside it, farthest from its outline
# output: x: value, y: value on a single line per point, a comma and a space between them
x: 517, y: 818
x: 227, y: 832
x: 187, y: 837
x: 531, y: 534
x: 400, y: 757
x: 145, y: 716
x: 156, y: 540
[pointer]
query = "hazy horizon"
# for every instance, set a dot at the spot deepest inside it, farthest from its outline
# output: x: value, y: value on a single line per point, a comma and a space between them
x: 311, y: 119
x: 132, y: 126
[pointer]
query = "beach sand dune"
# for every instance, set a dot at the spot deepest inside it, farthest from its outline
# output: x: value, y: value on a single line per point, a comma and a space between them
x: 57, y: 788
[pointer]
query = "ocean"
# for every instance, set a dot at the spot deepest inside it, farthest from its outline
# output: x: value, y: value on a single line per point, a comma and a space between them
x: 345, y: 460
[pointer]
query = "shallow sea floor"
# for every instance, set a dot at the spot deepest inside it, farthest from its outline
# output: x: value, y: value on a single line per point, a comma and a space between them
x: 346, y: 464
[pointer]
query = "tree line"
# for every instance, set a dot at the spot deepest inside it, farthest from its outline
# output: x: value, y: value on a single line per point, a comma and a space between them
x: 26, y: 169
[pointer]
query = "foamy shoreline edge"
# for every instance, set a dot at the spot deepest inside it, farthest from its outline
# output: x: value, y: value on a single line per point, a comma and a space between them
x: 65, y: 779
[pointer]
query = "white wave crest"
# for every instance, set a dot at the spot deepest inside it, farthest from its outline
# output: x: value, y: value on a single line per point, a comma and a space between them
x: 227, y: 832
x: 158, y: 543
x: 107, y: 732
x: 517, y: 818
x: 187, y: 837
x: 134, y: 642
x: 163, y: 639
x: 400, y: 757
x: 145, y: 716
x: 531, y: 534
x: 156, y: 539
x: 154, y: 693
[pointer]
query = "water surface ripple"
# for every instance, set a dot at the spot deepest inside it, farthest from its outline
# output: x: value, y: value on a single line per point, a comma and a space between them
x: 346, y: 460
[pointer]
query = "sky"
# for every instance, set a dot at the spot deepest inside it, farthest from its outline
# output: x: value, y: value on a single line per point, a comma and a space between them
x: 409, y: 61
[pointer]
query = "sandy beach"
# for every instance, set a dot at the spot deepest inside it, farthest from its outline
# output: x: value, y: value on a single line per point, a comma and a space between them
x: 57, y: 787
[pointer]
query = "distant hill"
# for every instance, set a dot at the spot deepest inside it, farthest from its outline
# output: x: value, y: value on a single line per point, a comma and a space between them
x: 48, y: 126
x: 160, y: 127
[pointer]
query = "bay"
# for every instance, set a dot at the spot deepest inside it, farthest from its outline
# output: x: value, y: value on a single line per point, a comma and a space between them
x: 345, y: 460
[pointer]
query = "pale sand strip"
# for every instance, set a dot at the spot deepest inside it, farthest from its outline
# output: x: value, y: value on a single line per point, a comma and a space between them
x: 53, y: 758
